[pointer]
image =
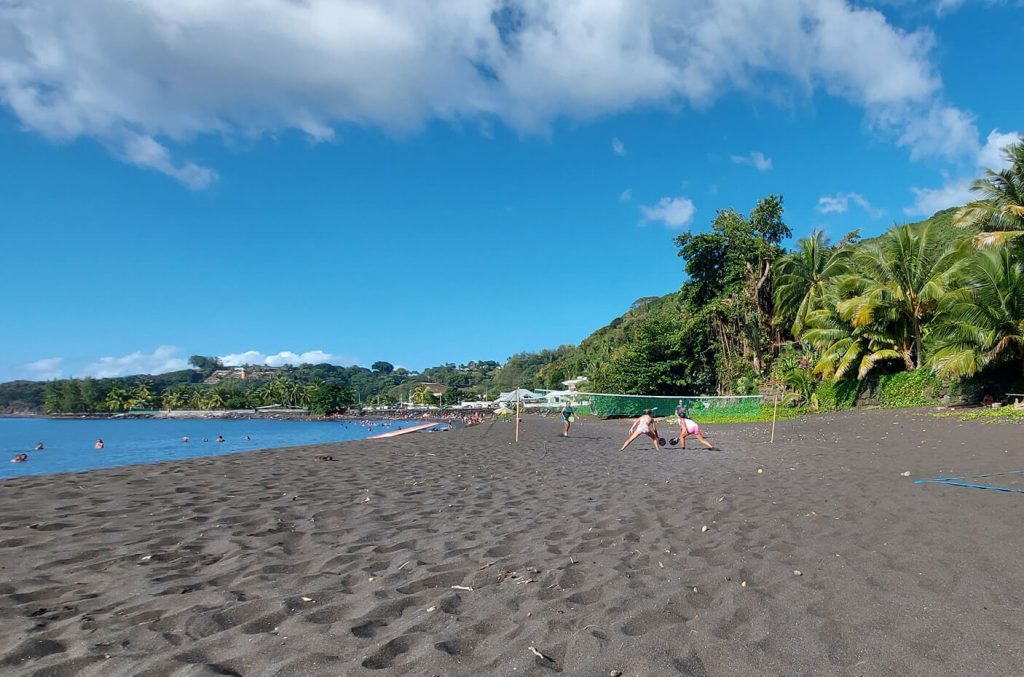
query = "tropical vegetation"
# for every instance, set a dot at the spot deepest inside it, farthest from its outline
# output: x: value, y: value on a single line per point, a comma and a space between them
x: 925, y: 310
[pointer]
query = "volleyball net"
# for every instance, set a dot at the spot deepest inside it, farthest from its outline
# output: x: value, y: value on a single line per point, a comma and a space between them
x: 700, y: 407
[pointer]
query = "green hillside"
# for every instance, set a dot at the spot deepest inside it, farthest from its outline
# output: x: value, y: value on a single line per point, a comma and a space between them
x: 688, y: 341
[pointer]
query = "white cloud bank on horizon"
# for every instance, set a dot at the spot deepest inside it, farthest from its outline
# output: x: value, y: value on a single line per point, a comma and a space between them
x: 160, y: 361
x: 165, y: 73
x: 755, y: 159
x: 957, y: 190
x: 284, y: 357
x: 45, y: 369
x: 169, y: 358
x: 674, y: 212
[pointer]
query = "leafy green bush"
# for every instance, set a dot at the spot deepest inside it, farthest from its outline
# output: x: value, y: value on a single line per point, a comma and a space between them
x: 916, y: 388
x: 836, y: 395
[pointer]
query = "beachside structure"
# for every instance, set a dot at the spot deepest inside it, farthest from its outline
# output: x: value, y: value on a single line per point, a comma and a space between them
x: 573, y: 384
x: 521, y: 394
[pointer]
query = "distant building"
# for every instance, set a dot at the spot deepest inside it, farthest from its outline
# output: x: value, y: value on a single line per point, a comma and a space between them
x: 521, y: 394
x: 435, y: 388
x: 243, y: 373
x: 573, y: 384
x: 229, y: 374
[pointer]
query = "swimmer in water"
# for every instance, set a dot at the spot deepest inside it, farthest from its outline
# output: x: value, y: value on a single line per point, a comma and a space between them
x: 185, y: 439
x: 99, y: 444
x: 40, y: 447
x: 20, y: 458
x: 220, y: 438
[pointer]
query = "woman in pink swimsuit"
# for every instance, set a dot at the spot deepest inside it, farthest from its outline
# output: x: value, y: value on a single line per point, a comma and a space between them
x: 687, y: 427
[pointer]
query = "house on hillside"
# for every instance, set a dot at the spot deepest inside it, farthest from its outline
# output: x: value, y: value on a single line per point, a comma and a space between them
x: 247, y: 372
x: 228, y: 374
x: 574, y: 384
x: 435, y: 388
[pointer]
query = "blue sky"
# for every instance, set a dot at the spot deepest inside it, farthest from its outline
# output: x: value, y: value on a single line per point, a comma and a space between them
x: 346, y: 181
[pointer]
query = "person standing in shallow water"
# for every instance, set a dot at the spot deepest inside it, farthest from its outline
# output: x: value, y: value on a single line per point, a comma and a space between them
x: 568, y: 414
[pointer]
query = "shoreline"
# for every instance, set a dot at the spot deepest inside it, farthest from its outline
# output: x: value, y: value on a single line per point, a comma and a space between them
x: 454, y: 554
x: 242, y: 414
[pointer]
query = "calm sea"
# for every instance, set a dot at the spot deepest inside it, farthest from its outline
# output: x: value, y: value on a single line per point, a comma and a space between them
x: 70, y: 443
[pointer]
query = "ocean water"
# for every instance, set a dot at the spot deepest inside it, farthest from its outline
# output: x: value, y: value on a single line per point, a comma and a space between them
x: 70, y: 442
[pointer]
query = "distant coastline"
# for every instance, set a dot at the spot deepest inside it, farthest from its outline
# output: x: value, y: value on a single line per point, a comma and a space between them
x: 243, y: 414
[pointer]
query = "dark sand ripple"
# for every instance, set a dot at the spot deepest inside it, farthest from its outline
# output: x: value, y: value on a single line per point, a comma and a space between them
x: 453, y: 553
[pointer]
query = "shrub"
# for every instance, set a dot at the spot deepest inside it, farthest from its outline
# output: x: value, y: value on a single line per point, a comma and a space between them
x: 836, y: 395
x: 916, y: 388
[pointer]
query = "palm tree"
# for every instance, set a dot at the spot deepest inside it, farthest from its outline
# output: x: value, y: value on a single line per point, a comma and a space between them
x: 1000, y: 211
x: 845, y: 347
x: 196, y: 399
x: 983, y: 321
x: 118, y: 399
x: 142, y: 396
x: 214, y: 400
x: 172, y: 399
x: 802, y: 275
x: 280, y: 390
x: 423, y: 395
x: 895, y: 285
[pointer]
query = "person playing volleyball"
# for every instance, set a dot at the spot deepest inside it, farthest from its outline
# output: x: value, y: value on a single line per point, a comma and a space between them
x: 568, y: 416
x: 687, y: 427
x: 645, y: 425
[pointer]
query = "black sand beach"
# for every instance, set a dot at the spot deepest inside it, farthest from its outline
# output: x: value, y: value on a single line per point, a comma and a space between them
x: 455, y: 553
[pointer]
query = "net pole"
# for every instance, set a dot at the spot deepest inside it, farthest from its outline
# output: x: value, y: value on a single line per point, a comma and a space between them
x: 517, y: 415
x: 775, y: 413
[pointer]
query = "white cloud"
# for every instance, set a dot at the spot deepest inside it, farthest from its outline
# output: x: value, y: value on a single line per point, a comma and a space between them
x: 945, y: 132
x: 161, y: 360
x: 991, y: 155
x: 927, y: 201
x: 284, y: 357
x: 947, y: 6
x: 163, y: 73
x: 44, y: 369
x: 674, y: 212
x: 957, y: 190
x: 626, y: 195
x: 840, y: 203
x: 147, y: 152
x: 618, y: 147
x: 755, y: 159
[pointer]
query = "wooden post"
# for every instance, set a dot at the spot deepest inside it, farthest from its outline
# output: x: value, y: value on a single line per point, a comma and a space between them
x: 775, y: 413
x: 517, y: 414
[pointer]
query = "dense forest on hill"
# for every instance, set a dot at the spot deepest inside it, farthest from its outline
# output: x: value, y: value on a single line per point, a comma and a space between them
x: 925, y: 308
